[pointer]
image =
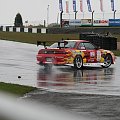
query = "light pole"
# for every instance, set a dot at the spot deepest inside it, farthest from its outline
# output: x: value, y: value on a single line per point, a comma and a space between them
x: 114, y: 14
x: 57, y: 18
x: 48, y: 15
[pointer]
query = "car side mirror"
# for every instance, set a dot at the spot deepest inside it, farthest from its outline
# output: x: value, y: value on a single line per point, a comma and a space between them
x: 98, y: 47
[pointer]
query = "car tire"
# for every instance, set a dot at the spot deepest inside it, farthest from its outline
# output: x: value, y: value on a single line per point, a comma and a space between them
x: 108, y: 61
x: 78, y: 62
x: 48, y: 66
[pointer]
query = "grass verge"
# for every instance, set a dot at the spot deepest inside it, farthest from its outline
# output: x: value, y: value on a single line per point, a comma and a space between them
x: 34, y: 37
x: 18, y: 90
x: 116, y: 52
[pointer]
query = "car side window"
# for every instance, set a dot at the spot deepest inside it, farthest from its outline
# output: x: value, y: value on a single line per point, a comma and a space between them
x: 89, y: 46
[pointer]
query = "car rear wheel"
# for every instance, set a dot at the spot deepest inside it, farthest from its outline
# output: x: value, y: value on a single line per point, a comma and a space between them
x: 48, y: 66
x: 108, y: 61
x: 78, y: 62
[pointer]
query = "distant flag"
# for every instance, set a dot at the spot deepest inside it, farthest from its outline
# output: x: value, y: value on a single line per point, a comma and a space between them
x: 67, y: 6
x: 112, y: 5
x: 60, y: 5
x: 74, y: 5
x: 81, y: 6
x: 101, y: 5
x: 89, y: 6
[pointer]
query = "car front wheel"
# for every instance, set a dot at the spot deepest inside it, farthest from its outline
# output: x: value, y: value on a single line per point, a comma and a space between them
x: 108, y: 61
x: 78, y: 62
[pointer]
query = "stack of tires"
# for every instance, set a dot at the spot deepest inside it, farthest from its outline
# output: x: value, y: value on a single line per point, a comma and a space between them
x: 104, y: 41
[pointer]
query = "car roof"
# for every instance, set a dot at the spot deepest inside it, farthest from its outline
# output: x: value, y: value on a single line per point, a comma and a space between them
x: 78, y: 40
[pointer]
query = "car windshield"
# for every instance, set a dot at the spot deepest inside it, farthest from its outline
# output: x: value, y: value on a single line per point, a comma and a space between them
x: 70, y: 44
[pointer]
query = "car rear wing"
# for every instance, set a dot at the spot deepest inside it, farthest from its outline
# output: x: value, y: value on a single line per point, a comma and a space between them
x: 41, y: 43
x: 59, y: 43
x: 62, y: 41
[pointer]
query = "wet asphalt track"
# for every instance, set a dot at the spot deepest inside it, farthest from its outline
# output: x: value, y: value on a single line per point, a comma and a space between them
x: 19, y: 59
x: 99, y: 88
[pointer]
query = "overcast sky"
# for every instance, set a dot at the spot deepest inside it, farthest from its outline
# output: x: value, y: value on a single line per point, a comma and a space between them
x: 36, y: 10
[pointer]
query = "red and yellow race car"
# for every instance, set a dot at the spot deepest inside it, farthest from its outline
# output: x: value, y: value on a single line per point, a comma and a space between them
x: 75, y: 53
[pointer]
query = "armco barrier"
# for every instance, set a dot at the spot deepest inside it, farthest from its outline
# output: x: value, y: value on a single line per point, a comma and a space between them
x: 104, y: 41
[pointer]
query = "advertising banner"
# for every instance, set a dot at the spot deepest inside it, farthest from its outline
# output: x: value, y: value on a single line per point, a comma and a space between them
x: 60, y: 5
x: 114, y: 22
x: 75, y: 22
x: 101, y: 23
x: 112, y: 5
x: 67, y: 6
x: 101, y: 5
x: 86, y: 22
x: 74, y: 5
x: 81, y: 6
x: 89, y: 6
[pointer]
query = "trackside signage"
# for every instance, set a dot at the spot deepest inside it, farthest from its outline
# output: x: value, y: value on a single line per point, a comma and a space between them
x: 101, y: 23
x: 76, y: 22
x: 86, y: 22
x: 114, y: 22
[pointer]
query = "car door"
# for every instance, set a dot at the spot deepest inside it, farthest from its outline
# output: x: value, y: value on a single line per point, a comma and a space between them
x: 92, y: 55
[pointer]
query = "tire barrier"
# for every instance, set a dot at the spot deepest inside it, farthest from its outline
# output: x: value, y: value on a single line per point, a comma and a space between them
x: 23, y: 29
x: 104, y: 41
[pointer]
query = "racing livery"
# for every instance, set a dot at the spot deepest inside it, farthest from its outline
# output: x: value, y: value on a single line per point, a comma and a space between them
x: 76, y: 53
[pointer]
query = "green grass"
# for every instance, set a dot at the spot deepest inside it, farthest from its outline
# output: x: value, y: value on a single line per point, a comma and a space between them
x: 116, y: 52
x: 33, y: 37
x: 18, y: 90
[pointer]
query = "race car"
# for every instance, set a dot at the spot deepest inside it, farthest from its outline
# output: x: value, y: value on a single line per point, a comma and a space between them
x: 74, y: 53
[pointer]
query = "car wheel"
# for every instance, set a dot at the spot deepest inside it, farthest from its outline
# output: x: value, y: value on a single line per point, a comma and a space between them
x: 108, y: 61
x: 48, y: 66
x: 78, y: 62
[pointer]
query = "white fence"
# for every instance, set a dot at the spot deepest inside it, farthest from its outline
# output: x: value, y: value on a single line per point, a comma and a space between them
x: 23, y: 29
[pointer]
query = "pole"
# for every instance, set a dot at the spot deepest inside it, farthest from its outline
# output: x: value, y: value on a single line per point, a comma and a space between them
x: 48, y: 15
x: 83, y: 15
x: 92, y: 19
x: 57, y: 18
x: 61, y: 19
x: 114, y: 14
x: 103, y: 14
x: 76, y: 14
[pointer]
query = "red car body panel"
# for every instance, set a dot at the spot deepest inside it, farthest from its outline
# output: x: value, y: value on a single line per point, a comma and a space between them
x: 66, y: 55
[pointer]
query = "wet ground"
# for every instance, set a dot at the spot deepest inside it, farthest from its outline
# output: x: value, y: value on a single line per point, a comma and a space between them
x: 19, y: 59
x: 94, y: 91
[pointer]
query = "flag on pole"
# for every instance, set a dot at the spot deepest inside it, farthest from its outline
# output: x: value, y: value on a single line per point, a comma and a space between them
x: 60, y: 5
x: 112, y: 5
x: 74, y: 5
x: 89, y: 6
x: 81, y: 6
x: 67, y: 6
x: 101, y: 5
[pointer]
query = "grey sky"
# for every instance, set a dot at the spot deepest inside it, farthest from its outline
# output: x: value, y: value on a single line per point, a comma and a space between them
x: 36, y: 10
